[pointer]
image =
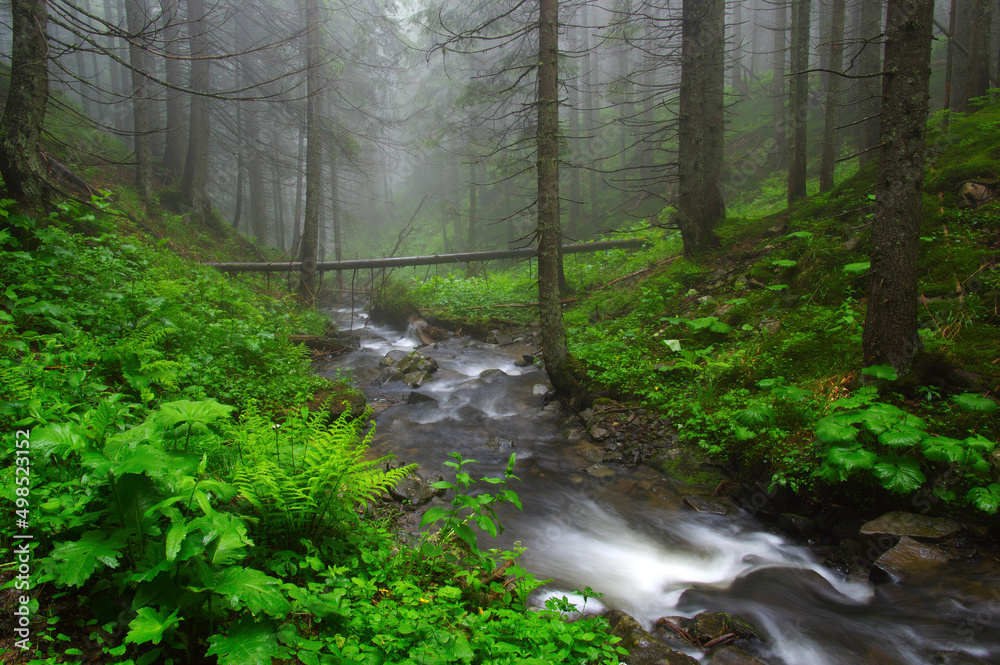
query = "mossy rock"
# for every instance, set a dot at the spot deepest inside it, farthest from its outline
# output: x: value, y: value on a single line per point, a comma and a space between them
x: 686, y: 467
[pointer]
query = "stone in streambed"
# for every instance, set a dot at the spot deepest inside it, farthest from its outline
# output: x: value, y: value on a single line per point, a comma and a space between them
x: 642, y: 647
x: 600, y: 471
x: 415, y: 398
x: 921, y: 527
x: 730, y: 655
x: 702, y: 504
x: 413, y: 490
x: 499, y: 444
x: 417, y: 378
x: 417, y: 362
x: 911, y: 561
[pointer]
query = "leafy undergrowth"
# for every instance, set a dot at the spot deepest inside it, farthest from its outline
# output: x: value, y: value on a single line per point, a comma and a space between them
x: 183, y: 503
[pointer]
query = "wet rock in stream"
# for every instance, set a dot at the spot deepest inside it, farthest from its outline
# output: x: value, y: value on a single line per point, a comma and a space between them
x: 643, y: 648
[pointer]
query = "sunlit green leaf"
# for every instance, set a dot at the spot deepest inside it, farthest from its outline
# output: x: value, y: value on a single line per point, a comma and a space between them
x: 974, y: 402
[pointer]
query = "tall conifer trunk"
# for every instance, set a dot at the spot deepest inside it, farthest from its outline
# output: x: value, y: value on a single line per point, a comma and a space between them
x: 700, y: 205
x: 890, y: 334
x: 314, y: 157
x: 21, y: 126
x: 555, y: 353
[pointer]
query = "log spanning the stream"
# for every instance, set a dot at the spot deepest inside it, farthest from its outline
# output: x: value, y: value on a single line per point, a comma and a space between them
x: 432, y: 259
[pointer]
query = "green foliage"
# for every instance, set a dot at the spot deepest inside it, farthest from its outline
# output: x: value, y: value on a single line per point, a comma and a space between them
x: 895, y: 447
x: 467, y: 509
x: 304, y: 476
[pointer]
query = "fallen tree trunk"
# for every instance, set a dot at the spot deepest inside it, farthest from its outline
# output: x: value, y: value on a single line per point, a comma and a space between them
x: 403, y: 261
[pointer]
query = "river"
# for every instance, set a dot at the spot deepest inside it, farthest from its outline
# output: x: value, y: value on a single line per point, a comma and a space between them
x: 629, y: 536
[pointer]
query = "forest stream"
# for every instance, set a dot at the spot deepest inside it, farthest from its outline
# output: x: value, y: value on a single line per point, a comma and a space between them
x: 628, y: 534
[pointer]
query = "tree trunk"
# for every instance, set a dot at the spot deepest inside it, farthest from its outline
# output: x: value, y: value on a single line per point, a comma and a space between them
x: 978, y: 81
x: 195, y: 182
x: 590, y: 104
x: 20, y: 129
x: 299, y: 172
x: 118, y: 87
x: 314, y: 156
x: 779, y: 149
x: 700, y: 205
x: 555, y: 353
x: 799, y: 108
x: 950, y: 60
x: 338, y: 232
x: 832, y: 116
x: 278, y: 189
x: 890, y: 333
x: 240, y: 166
x: 173, y: 153
x: 472, y: 242
x: 869, y: 89
x: 255, y: 173
x: 136, y: 17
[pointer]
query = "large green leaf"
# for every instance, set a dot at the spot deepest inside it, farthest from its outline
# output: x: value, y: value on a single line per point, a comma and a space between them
x: 857, y: 268
x: 79, y: 559
x: 59, y: 438
x: 834, y: 429
x: 899, y: 475
x: 902, y: 437
x: 252, y: 589
x: 756, y: 415
x: 986, y: 499
x: 851, y: 458
x: 974, y: 402
x: 886, y: 372
x: 225, y: 537
x: 150, y: 625
x: 943, y: 449
x: 247, y: 643
x: 980, y: 443
x: 185, y: 411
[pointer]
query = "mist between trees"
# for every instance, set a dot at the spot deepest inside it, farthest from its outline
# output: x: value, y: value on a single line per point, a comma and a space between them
x: 370, y: 128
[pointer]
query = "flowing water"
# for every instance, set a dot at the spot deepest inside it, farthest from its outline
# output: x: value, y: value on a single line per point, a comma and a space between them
x: 630, y: 537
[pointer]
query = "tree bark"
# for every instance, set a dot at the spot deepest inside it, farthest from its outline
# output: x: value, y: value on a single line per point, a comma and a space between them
x: 135, y: 11
x: 890, y: 333
x: 255, y: 173
x: 314, y: 157
x: 700, y: 205
x: 555, y: 352
x: 173, y: 152
x: 831, y: 120
x: 950, y: 59
x: 195, y: 182
x: 799, y: 108
x: 20, y: 129
x: 869, y: 89
x: 779, y: 148
x: 978, y: 81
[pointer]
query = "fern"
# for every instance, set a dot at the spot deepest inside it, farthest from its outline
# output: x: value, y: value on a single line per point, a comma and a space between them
x: 305, y: 476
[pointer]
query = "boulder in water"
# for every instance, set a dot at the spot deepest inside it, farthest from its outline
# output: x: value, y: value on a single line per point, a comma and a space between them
x: 416, y: 378
x: 910, y: 561
x: 415, y: 398
x: 701, y: 504
x: 413, y: 490
x: 499, y: 444
x: 921, y: 527
x: 730, y: 655
x: 642, y: 647
x: 417, y: 362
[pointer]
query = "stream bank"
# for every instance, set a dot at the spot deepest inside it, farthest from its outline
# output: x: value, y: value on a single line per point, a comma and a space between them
x: 668, y: 548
